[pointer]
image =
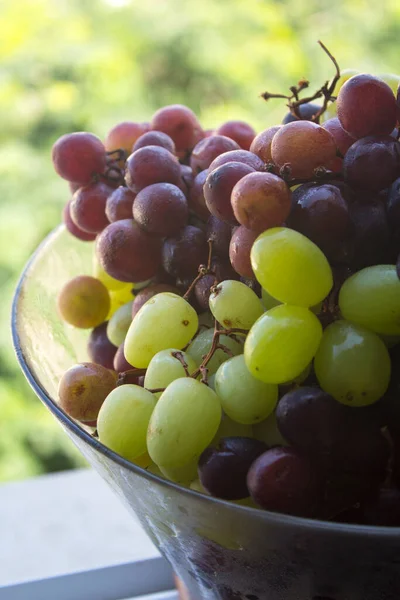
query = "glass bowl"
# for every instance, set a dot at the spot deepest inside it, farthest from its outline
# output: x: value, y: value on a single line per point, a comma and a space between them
x: 220, y: 550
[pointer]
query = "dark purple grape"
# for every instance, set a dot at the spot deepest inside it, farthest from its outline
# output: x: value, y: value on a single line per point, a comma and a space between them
x: 220, y: 234
x: 208, y: 149
x: 310, y: 420
x: 187, y: 179
x: 128, y: 253
x: 202, y: 291
x: 398, y: 267
x: 78, y: 157
x: 148, y: 292
x: 223, y: 470
x: 393, y: 213
x: 88, y: 207
x: 239, y: 251
x: 223, y: 269
x: 151, y: 164
x: 218, y: 189
x: 161, y: 209
x: 120, y: 363
x: 241, y: 156
x: 154, y: 138
x: 391, y: 400
x: 239, y: 131
x: 197, y: 202
x: 321, y: 213
x: 74, y: 229
x: 307, y: 111
x: 119, y: 204
x: 100, y: 349
x: 252, y: 284
x: 344, y: 492
x: 371, y: 236
x: 183, y: 254
x: 372, y: 163
x: 385, y: 509
x: 282, y: 480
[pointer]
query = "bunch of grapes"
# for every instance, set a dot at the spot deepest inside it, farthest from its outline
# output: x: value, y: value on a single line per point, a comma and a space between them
x: 245, y: 301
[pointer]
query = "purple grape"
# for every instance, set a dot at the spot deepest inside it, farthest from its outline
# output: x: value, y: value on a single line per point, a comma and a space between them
x: 208, y: 149
x: 241, y: 156
x: 161, y: 209
x: 84, y: 236
x: 220, y: 234
x: 218, y: 189
x: 119, y: 204
x: 151, y: 164
x: 120, y: 363
x: 88, y: 207
x: 100, y: 349
x: 197, y: 202
x: 372, y: 163
x: 307, y: 111
x: 202, y: 291
x: 154, y: 138
x: 183, y: 254
x: 223, y: 470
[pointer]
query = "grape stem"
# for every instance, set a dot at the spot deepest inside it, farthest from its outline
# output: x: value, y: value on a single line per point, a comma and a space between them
x: 130, y: 376
x: 215, y: 345
x: 179, y: 356
x: 325, y: 91
x: 203, y: 270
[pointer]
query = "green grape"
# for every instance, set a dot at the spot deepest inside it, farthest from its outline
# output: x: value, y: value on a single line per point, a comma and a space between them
x: 282, y: 343
x: 118, y: 298
x: 267, y: 431
x: 164, y: 368
x: 244, y: 398
x: 165, y: 321
x: 392, y: 80
x: 230, y: 428
x: 352, y: 364
x: 290, y: 267
x: 197, y: 487
x: 119, y: 323
x: 234, y: 304
x: 183, y: 423
x: 183, y: 475
x: 371, y: 298
x: 143, y: 461
x: 123, y: 420
x: 268, y: 300
x: 202, y: 343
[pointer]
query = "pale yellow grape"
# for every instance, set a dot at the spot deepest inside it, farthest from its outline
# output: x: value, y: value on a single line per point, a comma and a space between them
x: 182, y: 475
x: 184, y: 421
x: 392, y: 80
x: 123, y: 420
x: 143, y: 461
x: 352, y: 364
x: 201, y: 345
x: 119, y: 323
x: 230, y: 428
x: 267, y: 431
x: 244, y: 398
x: 235, y: 305
x: 164, y: 368
x: 371, y: 298
x: 120, y: 297
x: 282, y: 343
x: 290, y: 267
x: 106, y: 279
x: 165, y: 321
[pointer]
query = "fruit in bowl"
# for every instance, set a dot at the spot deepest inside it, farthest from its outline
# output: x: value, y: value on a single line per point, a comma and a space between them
x: 245, y: 305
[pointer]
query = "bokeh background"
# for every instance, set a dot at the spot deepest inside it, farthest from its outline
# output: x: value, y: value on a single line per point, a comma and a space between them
x: 73, y: 65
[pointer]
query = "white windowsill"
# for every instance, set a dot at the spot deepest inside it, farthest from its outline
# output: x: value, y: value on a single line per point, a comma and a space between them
x: 67, y: 536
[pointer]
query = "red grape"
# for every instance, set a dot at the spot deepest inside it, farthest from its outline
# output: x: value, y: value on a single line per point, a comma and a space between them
x: 218, y: 189
x: 151, y: 164
x: 88, y: 207
x: 154, y: 138
x: 241, y: 156
x: 239, y: 131
x: 239, y: 251
x: 343, y: 140
x: 78, y: 157
x: 202, y: 291
x: 183, y: 254
x: 123, y: 135
x: 220, y: 234
x: 372, y: 163
x: 197, y: 202
x: 128, y: 253
x: 180, y: 123
x: 161, y: 209
x: 261, y: 145
x: 261, y: 201
x: 120, y: 363
x: 209, y: 148
x: 366, y: 106
x: 119, y: 204
x: 187, y: 177
x: 100, y: 350
x: 74, y: 229
x: 303, y: 146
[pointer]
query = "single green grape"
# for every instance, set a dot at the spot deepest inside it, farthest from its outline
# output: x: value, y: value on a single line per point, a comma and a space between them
x: 352, y: 364
x: 244, y: 398
x: 182, y: 475
x: 230, y: 428
x: 183, y: 423
x: 267, y: 431
x: 165, y: 321
x: 123, y: 420
x: 234, y: 304
x: 268, y: 300
x: 290, y: 267
x: 164, y: 368
x: 392, y: 80
x: 119, y: 323
x: 371, y: 298
x: 202, y: 343
x: 282, y: 343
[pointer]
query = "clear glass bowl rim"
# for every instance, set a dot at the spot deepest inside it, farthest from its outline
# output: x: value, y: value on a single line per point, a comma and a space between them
x: 311, y: 525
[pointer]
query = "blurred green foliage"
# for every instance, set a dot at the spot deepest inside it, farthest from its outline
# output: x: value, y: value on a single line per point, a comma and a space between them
x: 86, y: 64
